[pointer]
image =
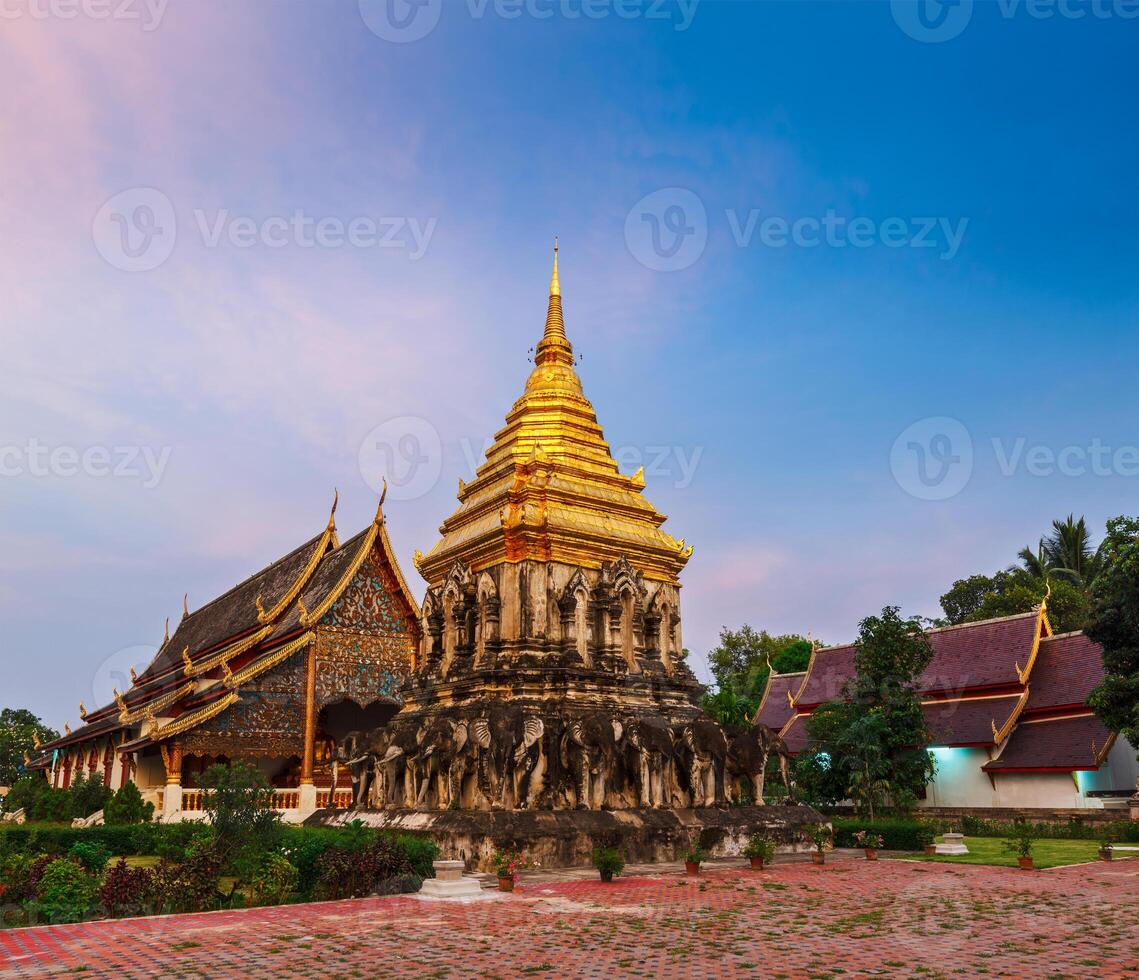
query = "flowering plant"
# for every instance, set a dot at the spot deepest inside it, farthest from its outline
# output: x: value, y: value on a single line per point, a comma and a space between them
x: 759, y: 846
x: 820, y: 837
x: 509, y: 862
x: 869, y: 841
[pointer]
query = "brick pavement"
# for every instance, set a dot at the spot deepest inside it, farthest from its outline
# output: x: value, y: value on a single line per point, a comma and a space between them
x: 889, y: 918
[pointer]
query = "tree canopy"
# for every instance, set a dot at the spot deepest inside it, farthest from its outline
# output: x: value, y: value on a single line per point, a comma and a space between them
x: 741, y: 665
x: 19, y: 729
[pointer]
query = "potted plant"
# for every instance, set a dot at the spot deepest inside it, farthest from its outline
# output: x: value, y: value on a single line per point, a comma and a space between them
x: 1021, y: 845
x: 1106, y: 850
x: 820, y: 838
x: 759, y: 850
x: 692, y: 859
x: 870, y: 843
x: 925, y: 839
x: 507, y: 864
x: 609, y: 861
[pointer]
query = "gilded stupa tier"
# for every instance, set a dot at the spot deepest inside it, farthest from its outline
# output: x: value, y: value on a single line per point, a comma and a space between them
x: 550, y: 489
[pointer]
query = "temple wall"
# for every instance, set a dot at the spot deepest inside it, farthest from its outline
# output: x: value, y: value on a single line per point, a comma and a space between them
x: 1120, y: 770
x: 959, y: 780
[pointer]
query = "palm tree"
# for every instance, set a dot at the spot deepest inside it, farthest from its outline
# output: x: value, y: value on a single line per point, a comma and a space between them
x: 1065, y: 553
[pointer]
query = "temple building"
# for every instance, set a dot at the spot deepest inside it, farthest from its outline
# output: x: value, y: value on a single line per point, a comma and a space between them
x: 272, y: 673
x: 1006, y: 703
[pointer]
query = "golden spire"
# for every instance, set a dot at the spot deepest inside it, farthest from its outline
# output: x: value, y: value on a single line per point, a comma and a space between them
x: 554, y: 346
x: 555, y: 286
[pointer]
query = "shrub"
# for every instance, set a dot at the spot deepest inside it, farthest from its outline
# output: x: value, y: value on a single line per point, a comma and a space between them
x: 88, y: 796
x: 191, y: 886
x: 760, y: 846
x: 93, y: 855
x: 1020, y: 843
x: 421, y: 854
x: 275, y: 880
x: 126, y: 891
x: 608, y: 860
x: 239, y: 806
x: 126, y: 807
x: 65, y: 893
x: 897, y: 835
x: 381, y: 868
x: 178, y: 841
x: 303, y: 847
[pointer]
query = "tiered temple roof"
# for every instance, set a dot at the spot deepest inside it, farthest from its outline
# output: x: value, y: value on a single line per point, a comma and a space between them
x: 1003, y: 684
x: 261, y: 622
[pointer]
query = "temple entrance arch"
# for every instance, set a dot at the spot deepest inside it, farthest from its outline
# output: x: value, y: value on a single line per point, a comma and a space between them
x: 337, y: 718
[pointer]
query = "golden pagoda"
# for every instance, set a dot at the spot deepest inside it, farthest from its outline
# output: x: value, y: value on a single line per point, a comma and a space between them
x: 553, y: 550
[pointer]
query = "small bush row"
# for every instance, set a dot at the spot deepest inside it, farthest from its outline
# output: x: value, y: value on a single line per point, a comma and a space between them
x: 896, y: 834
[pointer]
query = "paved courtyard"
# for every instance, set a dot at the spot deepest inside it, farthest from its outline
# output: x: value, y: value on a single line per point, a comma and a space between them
x: 849, y: 918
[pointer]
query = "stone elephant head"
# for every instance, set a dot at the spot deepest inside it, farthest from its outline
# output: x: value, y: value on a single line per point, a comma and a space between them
x: 589, y: 753
x: 509, y: 746
x: 701, y: 751
x: 648, y: 757
x: 443, y: 757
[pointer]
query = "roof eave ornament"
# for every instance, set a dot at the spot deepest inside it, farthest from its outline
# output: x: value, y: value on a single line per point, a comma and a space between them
x: 379, y: 519
x: 185, y: 605
x: 332, y: 513
x: 82, y: 712
x: 187, y: 663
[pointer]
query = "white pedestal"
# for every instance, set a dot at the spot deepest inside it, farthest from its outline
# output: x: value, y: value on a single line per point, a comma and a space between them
x: 172, y: 803
x: 954, y: 844
x: 450, y: 885
x: 306, y: 802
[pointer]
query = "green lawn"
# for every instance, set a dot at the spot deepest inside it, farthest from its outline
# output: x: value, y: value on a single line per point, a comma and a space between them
x: 1045, y: 853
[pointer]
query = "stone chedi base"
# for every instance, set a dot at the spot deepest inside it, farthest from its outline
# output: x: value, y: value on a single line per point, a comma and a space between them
x: 566, y: 838
x: 954, y: 844
x: 450, y: 885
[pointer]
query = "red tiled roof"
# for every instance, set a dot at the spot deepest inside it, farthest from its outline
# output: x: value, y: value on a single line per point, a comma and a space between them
x: 775, y: 710
x: 1067, y: 744
x: 1067, y: 668
x: 969, y: 721
x: 795, y: 734
x: 980, y: 655
x: 830, y: 669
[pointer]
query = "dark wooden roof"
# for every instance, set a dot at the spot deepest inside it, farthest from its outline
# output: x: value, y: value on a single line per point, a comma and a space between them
x: 970, y: 721
x: 1067, y: 668
x: 979, y: 656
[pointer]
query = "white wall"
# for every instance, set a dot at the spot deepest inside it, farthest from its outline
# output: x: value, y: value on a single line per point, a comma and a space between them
x: 959, y: 780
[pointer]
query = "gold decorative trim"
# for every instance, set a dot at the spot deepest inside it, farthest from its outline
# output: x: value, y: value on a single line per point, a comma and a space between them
x: 1043, y: 629
x: 194, y: 718
x: 128, y: 717
x: 309, y: 617
x: 224, y: 656
x: 250, y: 671
x: 294, y: 590
x: 1000, y: 734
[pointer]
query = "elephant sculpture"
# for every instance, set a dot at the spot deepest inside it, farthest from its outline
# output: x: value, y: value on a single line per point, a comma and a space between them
x: 702, y: 750
x: 393, y: 783
x: 442, y: 761
x: 649, y: 759
x: 509, y: 746
x: 354, y: 753
x: 588, y: 752
x: 748, y: 755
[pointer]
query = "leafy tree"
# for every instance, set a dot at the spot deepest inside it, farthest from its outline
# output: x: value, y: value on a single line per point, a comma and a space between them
x: 1014, y: 591
x: 1115, y: 626
x: 746, y: 656
x: 872, y: 742
x: 19, y: 729
x: 240, y: 806
x: 88, y: 796
x: 127, y: 807
x: 729, y: 708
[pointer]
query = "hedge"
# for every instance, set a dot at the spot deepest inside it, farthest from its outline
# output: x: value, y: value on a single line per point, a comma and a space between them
x: 897, y: 834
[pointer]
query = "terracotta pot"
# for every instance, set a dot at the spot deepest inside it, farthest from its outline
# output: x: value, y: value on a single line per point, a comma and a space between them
x: 757, y: 863
x: 818, y: 858
x: 871, y: 853
x: 930, y: 848
x: 1105, y: 854
x: 607, y: 877
x: 692, y: 867
x: 505, y: 883
x: 1025, y: 863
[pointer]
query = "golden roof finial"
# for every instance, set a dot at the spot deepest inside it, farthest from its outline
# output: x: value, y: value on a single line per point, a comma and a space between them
x: 134, y: 676
x: 67, y: 728
x: 554, y: 347
x: 187, y: 663
x: 380, y: 506
x: 555, y: 286
x: 185, y: 605
x: 332, y: 515
x: 121, y: 702
x: 82, y: 712
x: 166, y: 632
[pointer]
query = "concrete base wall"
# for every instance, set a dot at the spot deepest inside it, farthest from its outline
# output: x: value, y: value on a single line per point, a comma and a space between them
x: 566, y: 838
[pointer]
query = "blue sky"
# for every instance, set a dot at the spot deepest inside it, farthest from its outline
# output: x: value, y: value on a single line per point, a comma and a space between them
x: 763, y: 386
